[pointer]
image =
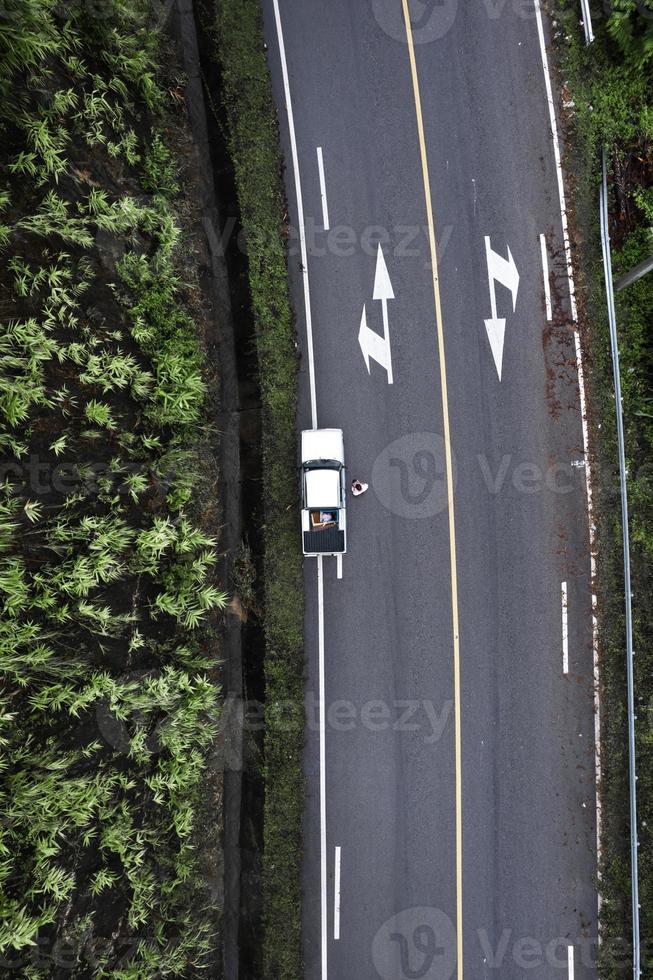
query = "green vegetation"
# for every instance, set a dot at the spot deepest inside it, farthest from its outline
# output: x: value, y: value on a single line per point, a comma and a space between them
x: 253, y: 144
x: 611, y: 85
x: 109, y: 699
x: 630, y: 25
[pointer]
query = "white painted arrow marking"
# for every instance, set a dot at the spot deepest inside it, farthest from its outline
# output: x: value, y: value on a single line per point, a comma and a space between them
x: 375, y: 347
x: 371, y: 344
x: 496, y: 331
x: 503, y: 271
x: 382, y: 286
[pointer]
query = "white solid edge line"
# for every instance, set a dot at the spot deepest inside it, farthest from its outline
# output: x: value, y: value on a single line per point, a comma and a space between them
x: 323, y: 846
x: 336, y: 896
x: 339, y: 566
x: 570, y: 961
x: 565, y: 630
x: 323, y: 193
x: 558, y: 162
x: 545, y: 276
x: 300, y: 214
x: 583, y: 412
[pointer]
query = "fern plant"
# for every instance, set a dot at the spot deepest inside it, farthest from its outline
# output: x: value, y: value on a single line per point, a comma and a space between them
x: 630, y: 24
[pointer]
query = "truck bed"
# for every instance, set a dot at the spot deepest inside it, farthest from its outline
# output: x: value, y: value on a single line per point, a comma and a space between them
x: 328, y: 541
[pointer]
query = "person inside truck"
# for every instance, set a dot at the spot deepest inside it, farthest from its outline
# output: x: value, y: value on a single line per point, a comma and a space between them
x: 322, y: 518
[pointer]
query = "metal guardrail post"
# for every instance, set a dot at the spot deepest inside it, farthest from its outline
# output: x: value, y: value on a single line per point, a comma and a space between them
x: 587, y: 21
x: 607, y: 265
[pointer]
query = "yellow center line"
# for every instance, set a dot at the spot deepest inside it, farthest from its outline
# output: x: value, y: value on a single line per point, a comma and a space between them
x: 449, y: 472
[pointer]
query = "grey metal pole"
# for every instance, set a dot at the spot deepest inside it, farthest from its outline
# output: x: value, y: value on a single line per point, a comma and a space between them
x: 635, y: 273
x: 607, y: 265
x: 587, y: 21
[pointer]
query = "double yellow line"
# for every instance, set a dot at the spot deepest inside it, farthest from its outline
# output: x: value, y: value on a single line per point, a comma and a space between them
x: 449, y: 474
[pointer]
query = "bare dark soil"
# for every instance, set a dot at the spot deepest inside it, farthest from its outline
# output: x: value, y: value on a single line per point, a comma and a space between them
x: 632, y: 170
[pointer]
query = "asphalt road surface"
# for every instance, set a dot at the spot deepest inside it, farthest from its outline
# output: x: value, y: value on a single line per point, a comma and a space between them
x: 451, y: 820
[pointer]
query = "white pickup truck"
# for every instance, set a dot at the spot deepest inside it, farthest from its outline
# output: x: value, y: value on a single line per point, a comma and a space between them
x: 324, y: 492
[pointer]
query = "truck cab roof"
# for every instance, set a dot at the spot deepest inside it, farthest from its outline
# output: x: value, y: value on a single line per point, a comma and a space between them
x: 322, y: 488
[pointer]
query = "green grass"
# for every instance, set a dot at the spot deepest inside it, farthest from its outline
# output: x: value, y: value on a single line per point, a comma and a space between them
x: 254, y: 149
x: 110, y: 704
x: 612, y: 90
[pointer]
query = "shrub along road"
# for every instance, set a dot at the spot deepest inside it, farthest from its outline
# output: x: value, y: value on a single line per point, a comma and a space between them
x: 610, y: 91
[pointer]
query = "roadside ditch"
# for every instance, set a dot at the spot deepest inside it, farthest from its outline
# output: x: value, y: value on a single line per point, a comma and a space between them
x: 235, y: 128
x: 238, y: 419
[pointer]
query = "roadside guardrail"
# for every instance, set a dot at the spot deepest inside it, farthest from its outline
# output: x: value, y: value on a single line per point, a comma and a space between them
x: 623, y: 474
x: 634, y: 274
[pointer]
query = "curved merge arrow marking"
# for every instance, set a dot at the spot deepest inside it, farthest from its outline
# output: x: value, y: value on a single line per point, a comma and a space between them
x: 505, y: 272
x: 374, y: 346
